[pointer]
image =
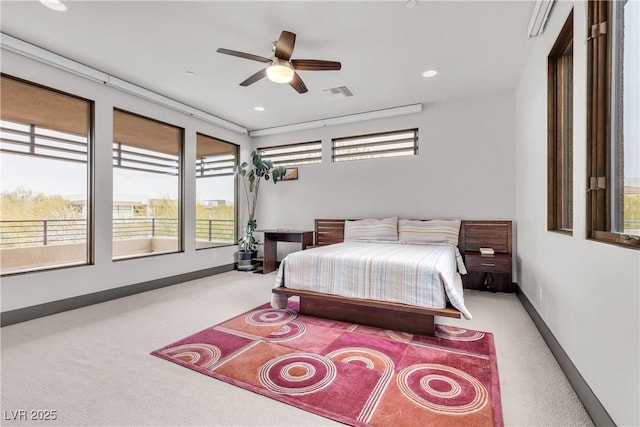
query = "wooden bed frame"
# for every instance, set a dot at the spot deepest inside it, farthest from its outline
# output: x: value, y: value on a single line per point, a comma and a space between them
x: 387, y: 315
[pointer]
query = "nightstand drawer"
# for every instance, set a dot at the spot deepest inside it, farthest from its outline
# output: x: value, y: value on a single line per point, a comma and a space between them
x: 489, y: 263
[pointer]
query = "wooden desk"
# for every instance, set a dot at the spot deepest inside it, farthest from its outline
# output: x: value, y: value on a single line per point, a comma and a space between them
x: 271, y: 237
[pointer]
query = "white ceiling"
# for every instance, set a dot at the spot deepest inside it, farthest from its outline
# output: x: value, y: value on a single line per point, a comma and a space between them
x: 478, y: 48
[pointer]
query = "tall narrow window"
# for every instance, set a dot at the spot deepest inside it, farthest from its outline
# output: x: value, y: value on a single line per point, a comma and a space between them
x: 560, y: 131
x: 215, y: 192
x: 45, y: 151
x: 613, y: 128
x: 147, y: 204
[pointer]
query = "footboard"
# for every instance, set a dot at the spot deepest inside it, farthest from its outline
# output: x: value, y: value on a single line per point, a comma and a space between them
x: 379, y: 314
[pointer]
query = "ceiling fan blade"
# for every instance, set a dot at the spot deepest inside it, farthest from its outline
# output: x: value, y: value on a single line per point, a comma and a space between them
x: 315, y: 65
x: 244, y: 55
x: 298, y: 84
x: 285, y: 44
x: 254, y: 78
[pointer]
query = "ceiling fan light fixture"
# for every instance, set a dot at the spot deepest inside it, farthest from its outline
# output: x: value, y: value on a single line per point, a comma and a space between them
x: 56, y: 5
x: 280, y: 71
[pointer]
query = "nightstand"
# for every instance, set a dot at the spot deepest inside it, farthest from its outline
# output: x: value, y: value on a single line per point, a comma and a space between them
x: 499, y: 264
x: 487, y: 272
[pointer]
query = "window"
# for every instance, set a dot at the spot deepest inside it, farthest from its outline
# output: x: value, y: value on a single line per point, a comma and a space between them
x: 560, y: 131
x: 613, y: 150
x: 215, y: 192
x: 374, y: 146
x: 45, y: 151
x: 147, y: 205
x: 304, y: 153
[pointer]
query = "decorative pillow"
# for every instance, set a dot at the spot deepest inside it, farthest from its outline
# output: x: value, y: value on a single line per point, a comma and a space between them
x: 433, y: 231
x: 369, y: 230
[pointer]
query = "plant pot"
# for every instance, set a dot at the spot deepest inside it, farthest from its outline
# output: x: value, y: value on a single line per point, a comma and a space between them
x: 245, y: 260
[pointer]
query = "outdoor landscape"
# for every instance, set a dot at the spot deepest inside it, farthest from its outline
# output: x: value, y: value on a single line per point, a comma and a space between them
x: 35, y: 220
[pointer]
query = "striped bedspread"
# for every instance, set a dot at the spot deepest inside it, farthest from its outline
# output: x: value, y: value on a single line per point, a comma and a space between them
x: 420, y: 275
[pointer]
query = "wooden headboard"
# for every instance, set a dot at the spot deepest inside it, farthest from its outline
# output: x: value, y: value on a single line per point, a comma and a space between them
x: 329, y: 231
x: 473, y: 234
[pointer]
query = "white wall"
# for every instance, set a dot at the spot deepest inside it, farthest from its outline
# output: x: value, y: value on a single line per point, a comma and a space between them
x: 34, y: 288
x: 464, y: 169
x: 586, y: 292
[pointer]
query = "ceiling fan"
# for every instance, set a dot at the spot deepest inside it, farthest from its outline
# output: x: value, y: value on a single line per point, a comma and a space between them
x: 281, y: 68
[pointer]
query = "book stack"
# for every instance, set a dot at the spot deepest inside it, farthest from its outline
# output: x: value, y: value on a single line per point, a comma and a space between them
x: 486, y: 251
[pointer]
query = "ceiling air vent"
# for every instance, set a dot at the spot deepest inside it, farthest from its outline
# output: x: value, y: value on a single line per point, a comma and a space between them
x: 338, y: 92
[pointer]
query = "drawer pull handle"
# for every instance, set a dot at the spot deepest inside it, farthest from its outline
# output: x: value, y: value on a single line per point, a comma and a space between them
x: 486, y: 264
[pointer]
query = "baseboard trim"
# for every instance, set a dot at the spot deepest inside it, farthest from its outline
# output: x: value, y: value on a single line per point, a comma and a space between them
x: 594, y: 408
x: 41, y: 310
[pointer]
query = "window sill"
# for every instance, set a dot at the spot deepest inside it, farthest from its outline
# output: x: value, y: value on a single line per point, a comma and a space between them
x: 562, y: 231
x: 617, y: 239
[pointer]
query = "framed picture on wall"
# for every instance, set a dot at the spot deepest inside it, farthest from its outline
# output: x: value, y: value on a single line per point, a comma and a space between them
x: 290, y: 174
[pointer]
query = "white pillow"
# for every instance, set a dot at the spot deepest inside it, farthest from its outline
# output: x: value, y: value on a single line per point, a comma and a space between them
x: 371, y: 230
x: 432, y: 231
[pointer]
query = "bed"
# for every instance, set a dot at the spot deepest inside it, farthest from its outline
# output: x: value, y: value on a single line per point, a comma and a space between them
x: 389, y: 273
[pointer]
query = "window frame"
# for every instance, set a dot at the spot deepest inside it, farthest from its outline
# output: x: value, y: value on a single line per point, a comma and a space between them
x: 296, y: 162
x: 235, y: 190
x: 560, y: 132
x: 181, y: 187
x: 90, y: 185
x: 335, y: 158
x: 600, y: 144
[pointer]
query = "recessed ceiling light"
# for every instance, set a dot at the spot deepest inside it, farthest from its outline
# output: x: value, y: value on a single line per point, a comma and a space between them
x: 258, y: 108
x: 190, y: 73
x: 411, y: 3
x: 54, y: 4
x: 429, y: 73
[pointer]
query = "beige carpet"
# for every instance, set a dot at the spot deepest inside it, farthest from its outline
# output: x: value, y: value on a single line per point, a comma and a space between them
x: 93, y: 368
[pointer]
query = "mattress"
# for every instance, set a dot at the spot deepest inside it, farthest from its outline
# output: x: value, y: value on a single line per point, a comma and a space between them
x: 418, y: 275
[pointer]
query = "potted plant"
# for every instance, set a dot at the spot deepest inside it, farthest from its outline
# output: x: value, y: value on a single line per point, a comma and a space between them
x: 251, y: 174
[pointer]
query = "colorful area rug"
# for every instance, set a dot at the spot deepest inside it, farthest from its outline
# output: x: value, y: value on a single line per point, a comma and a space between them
x: 353, y: 374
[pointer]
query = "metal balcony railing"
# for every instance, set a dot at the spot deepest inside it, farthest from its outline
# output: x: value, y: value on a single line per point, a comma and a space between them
x: 27, y: 233
x: 31, y: 233
x: 215, y: 230
x: 140, y: 228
